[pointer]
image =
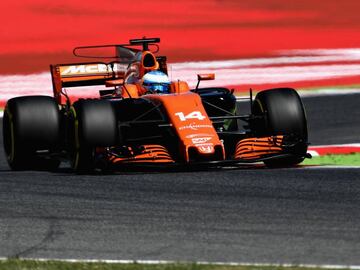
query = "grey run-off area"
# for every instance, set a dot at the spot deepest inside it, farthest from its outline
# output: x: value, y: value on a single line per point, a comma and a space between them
x: 299, y: 215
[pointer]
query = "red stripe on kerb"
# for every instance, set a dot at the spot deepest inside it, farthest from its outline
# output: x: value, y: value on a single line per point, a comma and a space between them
x: 335, y: 150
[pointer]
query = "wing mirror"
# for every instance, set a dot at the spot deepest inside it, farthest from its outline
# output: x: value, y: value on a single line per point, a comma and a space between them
x: 205, y: 77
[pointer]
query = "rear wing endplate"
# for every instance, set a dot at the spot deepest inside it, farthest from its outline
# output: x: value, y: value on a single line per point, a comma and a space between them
x: 84, y: 74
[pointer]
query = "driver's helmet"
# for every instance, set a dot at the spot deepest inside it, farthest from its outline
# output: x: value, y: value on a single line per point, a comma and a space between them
x: 156, y: 82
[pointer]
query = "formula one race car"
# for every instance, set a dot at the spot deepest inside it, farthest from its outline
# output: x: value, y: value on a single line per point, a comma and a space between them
x: 142, y: 117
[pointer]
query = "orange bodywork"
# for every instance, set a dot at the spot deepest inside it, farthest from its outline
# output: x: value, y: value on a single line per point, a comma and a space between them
x: 178, y: 87
x: 197, y: 138
x: 191, y: 123
x: 149, y: 154
x: 137, y: 90
x: 145, y: 66
x: 253, y: 148
x: 206, y: 77
x: 129, y: 91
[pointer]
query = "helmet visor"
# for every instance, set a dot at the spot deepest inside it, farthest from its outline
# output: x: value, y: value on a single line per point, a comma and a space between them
x: 157, y: 87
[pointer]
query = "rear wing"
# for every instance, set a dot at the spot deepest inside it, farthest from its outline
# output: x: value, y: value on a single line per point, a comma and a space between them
x: 84, y: 74
x: 94, y: 73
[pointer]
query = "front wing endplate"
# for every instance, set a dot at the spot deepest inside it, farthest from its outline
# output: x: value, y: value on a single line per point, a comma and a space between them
x: 254, y: 148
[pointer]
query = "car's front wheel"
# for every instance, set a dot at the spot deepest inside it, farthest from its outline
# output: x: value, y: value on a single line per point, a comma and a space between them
x: 282, y: 113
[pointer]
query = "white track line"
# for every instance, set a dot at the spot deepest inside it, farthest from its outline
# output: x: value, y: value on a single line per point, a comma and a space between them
x: 282, y: 60
x: 328, y: 92
x: 300, y: 65
x: 339, y: 145
x: 313, y: 153
x: 286, y: 57
x: 270, y: 75
x: 351, y: 52
x: 315, y: 93
x: 40, y: 84
x: 322, y: 266
x: 324, y: 167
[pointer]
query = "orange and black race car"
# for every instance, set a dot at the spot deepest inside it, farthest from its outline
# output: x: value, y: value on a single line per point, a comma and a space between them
x: 143, y: 117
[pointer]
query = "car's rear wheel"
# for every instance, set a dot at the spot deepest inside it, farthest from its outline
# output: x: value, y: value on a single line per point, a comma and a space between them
x: 92, y: 124
x: 31, y: 125
x: 281, y: 112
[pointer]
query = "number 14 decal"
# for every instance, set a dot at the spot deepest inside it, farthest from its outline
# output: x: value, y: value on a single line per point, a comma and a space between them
x: 192, y: 115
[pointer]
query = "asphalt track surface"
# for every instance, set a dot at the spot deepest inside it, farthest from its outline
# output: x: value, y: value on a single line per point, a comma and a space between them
x: 301, y: 215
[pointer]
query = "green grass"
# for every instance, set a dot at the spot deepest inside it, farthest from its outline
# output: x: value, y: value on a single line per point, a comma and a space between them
x: 15, y: 264
x: 352, y: 86
x: 340, y: 160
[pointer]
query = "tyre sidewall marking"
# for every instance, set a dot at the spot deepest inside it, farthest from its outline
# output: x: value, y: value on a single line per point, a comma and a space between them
x: 11, y: 155
x: 76, y: 134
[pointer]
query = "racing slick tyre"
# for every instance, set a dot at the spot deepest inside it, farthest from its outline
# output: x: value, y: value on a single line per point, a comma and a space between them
x: 92, y: 125
x: 282, y: 113
x: 31, y: 124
